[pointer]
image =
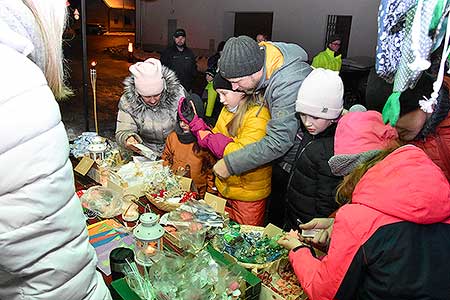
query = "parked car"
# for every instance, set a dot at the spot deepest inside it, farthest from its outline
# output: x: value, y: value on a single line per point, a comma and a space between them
x: 95, y: 28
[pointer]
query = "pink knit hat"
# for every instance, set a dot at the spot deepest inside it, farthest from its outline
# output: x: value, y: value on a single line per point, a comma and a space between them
x: 359, y: 137
x: 148, y: 78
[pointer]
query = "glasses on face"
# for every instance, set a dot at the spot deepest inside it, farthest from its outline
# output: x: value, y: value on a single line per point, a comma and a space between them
x: 336, y: 43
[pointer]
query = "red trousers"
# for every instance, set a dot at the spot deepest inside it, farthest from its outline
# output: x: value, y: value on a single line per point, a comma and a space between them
x: 247, y: 213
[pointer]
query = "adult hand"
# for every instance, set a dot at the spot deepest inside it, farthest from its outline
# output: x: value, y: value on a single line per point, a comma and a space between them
x: 221, y: 170
x: 130, y: 142
x: 322, y: 238
x: 289, y: 242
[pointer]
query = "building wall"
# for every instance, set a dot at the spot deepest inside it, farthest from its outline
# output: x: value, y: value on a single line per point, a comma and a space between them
x: 97, y: 12
x: 299, y: 21
x: 117, y: 19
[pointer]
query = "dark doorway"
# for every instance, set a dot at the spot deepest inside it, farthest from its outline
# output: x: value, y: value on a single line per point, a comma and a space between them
x: 251, y: 24
x: 340, y: 25
x: 171, y: 27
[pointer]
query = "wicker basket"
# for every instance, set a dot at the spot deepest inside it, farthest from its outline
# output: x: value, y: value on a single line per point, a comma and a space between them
x: 162, y: 204
x: 251, y: 266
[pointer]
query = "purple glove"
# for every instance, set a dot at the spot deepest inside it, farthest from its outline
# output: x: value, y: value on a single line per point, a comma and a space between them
x: 215, y: 142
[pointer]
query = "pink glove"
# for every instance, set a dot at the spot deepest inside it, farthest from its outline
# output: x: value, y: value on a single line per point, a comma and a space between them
x: 216, y: 143
x: 196, y: 123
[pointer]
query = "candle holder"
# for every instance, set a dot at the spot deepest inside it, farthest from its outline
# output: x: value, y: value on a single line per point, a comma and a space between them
x: 149, y: 243
x: 94, y: 91
x: 130, y: 52
x: 97, y: 148
x: 97, y: 151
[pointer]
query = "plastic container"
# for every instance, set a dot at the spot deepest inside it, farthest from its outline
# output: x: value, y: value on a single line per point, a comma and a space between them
x: 118, y: 261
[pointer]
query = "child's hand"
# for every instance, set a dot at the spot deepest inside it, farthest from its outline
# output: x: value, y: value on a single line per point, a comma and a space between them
x: 323, y: 237
x: 289, y: 242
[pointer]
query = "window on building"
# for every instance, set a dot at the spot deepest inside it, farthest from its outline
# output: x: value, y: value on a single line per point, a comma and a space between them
x: 127, y: 20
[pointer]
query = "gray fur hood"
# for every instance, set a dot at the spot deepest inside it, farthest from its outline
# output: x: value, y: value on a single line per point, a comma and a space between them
x: 133, y: 103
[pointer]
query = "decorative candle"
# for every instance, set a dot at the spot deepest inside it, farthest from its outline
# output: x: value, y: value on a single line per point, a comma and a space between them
x: 94, y: 91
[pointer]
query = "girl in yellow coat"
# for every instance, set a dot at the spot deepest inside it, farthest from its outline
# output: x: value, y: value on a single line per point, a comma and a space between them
x: 242, y: 121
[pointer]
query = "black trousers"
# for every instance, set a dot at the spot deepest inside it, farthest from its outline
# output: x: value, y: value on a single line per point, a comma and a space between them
x: 275, y: 208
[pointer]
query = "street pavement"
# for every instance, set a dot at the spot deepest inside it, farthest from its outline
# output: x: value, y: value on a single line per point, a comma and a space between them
x: 110, y: 53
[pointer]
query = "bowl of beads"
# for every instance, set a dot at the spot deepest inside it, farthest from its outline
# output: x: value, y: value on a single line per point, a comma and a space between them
x: 251, y: 246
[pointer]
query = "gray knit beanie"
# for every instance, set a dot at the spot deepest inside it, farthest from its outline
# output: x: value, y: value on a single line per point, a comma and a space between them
x: 344, y: 164
x: 241, y: 57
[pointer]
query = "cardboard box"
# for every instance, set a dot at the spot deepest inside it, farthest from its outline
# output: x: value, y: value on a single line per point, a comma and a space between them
x: 98, y: 174
x: 137, y: 190
x: 88, y: 167
x: 268, y: 294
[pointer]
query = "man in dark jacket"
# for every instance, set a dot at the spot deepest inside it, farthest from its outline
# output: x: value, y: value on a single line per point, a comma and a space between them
x: 180, y: 59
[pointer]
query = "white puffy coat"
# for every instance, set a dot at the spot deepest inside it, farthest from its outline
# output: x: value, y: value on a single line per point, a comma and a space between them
x: 44, y: 247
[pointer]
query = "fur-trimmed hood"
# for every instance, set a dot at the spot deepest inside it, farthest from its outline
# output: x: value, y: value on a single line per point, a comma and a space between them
x: 133, y: 103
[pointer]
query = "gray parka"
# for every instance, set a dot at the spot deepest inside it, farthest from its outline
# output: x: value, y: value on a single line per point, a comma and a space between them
x: 149, y: 125
x: 280, y: 93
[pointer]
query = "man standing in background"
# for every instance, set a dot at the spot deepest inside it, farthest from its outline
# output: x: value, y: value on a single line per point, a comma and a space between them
x: 180, y: 59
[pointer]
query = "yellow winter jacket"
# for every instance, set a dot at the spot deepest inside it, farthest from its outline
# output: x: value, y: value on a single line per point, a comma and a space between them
x: 327, y: 60
x: 255, y: 184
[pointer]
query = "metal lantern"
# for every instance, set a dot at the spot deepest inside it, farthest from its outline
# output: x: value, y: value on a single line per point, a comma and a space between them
x: 97, y: 151
x: 148, y: 235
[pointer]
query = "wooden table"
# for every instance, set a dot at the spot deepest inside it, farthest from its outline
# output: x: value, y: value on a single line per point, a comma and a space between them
x: 144, y: 205
x: 83, y: 183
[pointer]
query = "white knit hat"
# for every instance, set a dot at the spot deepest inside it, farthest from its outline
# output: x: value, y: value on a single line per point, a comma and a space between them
x: 148, y: 78
x: 321, y: 95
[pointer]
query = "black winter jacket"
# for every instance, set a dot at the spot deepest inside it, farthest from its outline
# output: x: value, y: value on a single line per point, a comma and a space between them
x: 312, y: 187
x: 182, y: 63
